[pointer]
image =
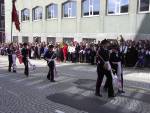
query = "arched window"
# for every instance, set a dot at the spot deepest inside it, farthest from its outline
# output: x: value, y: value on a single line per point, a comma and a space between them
x: 25, y: 14
x: 51, y: 11
x: 69, y: 9
x: 116, y: 7
x: 90, y: 7
x: 37, y: 13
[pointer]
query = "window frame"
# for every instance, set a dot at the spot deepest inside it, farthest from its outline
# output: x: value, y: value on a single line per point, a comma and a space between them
x: 69, y: 9
x: 2, y: 9
x: 33, y: 13
x: 22, y: 12
x: 142, y: 12
x: 117, y: 14
x: 89, y: 10
x: 52, y: 17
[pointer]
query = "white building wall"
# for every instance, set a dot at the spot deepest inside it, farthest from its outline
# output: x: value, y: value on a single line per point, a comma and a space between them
x: 98, y: 27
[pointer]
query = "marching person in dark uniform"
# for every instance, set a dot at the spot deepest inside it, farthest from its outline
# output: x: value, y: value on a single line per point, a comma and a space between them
x: 49, y: 57
x: 115, y: 60
x: 104, y: 68
x: 10, y: 51
x: 122, y: 51
x: 24, y: 52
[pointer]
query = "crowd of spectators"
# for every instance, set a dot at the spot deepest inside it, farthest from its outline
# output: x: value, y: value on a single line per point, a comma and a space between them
x: 137, y: 53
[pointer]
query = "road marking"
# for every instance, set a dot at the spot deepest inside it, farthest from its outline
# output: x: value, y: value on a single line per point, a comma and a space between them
x: 58, y: 111
x: 35, y: 82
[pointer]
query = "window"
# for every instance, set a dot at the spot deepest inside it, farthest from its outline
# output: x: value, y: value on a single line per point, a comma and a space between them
x: 90, y: 7
x: 37, y: 39
x: 2, y: 10
x: 51, y: 40
x: 2, y: 24
x: 51, y: 11
x: 144, y: 5
x: 68, y: 40
x: 2, y: 35
x: 25, y: 15
x: 25, y: 39
x: 116, y: 7
x: 15, y: 39
x: 69, y: 9
x: 37, y: 13
x: 89, y: 40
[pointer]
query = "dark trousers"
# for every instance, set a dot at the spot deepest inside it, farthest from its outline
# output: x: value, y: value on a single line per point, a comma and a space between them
x: 101, y: 72
x: 26, y: 70
x: 81, y: 57
x: 10, y: 62
x: 122, y: 81
x: 50, y: 75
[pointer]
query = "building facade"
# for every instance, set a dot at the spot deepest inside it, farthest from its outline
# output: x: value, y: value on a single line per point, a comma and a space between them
x: 2, y: 21
x: 79, y: 20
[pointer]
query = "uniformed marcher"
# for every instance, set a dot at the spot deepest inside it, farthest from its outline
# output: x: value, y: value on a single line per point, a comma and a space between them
x: 49, y: 57
x: 10, y: 51
x: 104, y: 68
x: 115, y: 60
x: 24, y: 52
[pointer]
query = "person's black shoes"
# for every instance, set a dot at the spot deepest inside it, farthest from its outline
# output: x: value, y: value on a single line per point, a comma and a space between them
x: 27, y: 74
x: 99, y: 95
x: 14, y: 71
x: 48, y: 78
x: 53, y: 81
x: 105, y: 89
x: 120, y: 92
x: 111, y: 96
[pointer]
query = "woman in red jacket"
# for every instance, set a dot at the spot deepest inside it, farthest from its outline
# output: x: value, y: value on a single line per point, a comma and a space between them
x: 65, y: 52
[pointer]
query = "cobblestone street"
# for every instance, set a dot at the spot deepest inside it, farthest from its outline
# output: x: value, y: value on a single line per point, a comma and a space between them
x: 73, y: 91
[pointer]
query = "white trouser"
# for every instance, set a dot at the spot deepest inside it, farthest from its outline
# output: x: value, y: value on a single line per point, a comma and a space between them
x: 119, y: 72
x: 14, y: 61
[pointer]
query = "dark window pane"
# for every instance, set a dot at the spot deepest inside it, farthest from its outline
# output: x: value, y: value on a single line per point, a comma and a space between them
x: 124, y: 6
x: 65, y: 10
x: 144, y: 5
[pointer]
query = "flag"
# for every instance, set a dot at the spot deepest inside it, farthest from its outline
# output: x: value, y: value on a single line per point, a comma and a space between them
x: 15, y: 17
x: 19, y: 56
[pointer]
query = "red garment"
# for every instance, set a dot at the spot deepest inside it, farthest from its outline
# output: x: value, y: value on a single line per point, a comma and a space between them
x: 65, y: 51
x: 15, y: 17
x: 19, y: 56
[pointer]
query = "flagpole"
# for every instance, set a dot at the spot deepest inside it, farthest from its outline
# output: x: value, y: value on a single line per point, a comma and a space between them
x: 11, y: 24
x: 11, y: 31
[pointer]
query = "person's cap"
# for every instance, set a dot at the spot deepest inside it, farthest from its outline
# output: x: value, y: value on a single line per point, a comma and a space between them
x: 105, y: 41
x: 50, y: 46
x: 25, y: 44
